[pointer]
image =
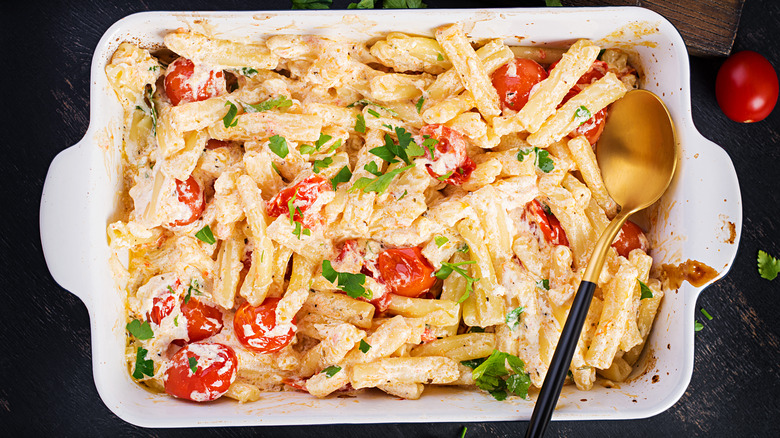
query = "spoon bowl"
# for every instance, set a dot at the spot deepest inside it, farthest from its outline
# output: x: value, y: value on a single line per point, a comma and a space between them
x: 637, y: 155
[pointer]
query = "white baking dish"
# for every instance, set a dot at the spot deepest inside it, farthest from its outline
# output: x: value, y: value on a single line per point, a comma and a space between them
x: 83, y: 181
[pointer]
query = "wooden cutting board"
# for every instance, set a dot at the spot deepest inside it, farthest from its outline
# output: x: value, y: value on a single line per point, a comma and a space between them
x: 707, y: 26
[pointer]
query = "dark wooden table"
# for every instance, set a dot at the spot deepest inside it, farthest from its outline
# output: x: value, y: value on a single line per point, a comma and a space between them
x: 46, y: 385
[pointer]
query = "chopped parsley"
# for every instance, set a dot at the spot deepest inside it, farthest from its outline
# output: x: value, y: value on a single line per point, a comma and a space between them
x: 706, y: 314
x: 475, y: 329
x: 582, y: 114
x: 192, y: 287
x: 360, y: 124
x: 646, y: 291
x: 364, y: 346
x: 230, y: 119
x: 373, y: 169
x: 373, y: 113
x: 205, y: 235
x: 446, y: 176
x: 768, y: 266
x: 513, y: 317
x: 276, y: 169
x: 344, y: 175
x: 143, y: 366
x: 331, y: 370
x: 440, y: 240
x: 429, y: 143
x: 379, y: 184
x: 464, y: 248
x: 405, y: 149
x: 148, y: 108
x: 299, y: 229
x: 419, y: 104
x: 176, y: 320
x: 492, y: 375
x: 363, y: 4
x: 403, y: 195
x: 280, y: 101
x: 543, y: 284
x: 311, y: 4
x: 352, y: 284
x: 193, y: 364
x: 439, y: 57
x: 447, y: 268
x: 248, y: 71
x: 366, y: 102
x: 542, y: 158
x: 278, y: 145
x: 697, y: 326
x: 141, y: 330
x: 324, y: 138
x: 307, y: 149
x: 321, y: 164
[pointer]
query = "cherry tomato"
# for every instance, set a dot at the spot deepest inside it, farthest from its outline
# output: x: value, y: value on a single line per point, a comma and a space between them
x: 190, y: 194
x: 548, y: 224
x: 629, y: 238
x: 515, y: 79
x: 593, y: 127
x: 251, y: 323
x: 202, y: 320
x: 215, y: 369
x: 746, y: 87
x: 450, y: 156
x: 182, y: 85
x: 406, y: 271
x: 162, y: 306
x: 305, y: 193
x: 216, y: 144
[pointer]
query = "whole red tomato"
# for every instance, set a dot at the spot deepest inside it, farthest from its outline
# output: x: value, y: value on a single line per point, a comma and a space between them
x: 746, y: 87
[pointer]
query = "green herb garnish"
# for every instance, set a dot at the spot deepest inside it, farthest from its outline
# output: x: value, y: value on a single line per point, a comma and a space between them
x: 706, y: 314
x: 768, y: 266
x: 311, y: 4
x: 492, y: 375
x: 440, y: 240
x: 513, y: 317
x: 248, y: 71
x: 193, y: 364
x: 321, y: 164
x: 140, y: 329
x: 646, y: 291
x: 331, y: 370
x: 278, y: 145
x: 344, y: 175
x: 143, y: 366
x: 582, y: 114
x: 352, y: 284
x: 360, y: 124
x: 419, y: 104
x: 230, y: 119
x: 205, y: 235
x: 447, y: 269
x: 364, y: 346
x: 280, y: 101
x: 543, y: 284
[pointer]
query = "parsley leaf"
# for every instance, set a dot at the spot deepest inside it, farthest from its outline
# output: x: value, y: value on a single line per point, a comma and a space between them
x: 324, y: 138
x: 373, y: 113
x: 439, y: 57
x: 193, y: 364
x: 473, y: 363
x: 403, y: 4
x: 363, y: 4
x: 405, y: 149
x: 464, y: 248
x: 141, y: 330
x: 582, y: 114
x: 149, y: 108
x: 646, y: 292
x: 445, y: 176
x: 697, y: 326
x: 299, y: 229
x: 344, y: 175
x: 280, y: 101
x: 306, y: 149
x: 230, y: 118
x: 440, y: 240
x: 360, y: 124
x: 492, y: 375
x: 706, y: 314
x: 352, y: 284
x: 331, y: 370
x: 513, y: 317
x: 278, y: 145
x: 248, y: 71
x: 542, y: 158
x: 543, y: 284
x: 205, y: 235
x: 176, y: 320
x: 364, y: 346
x: 550, y: 3
x: 291, y: 206
x: 373, y: 169
x: 447, y: 268
x: 366, y: 102
x: 403, y: 195
x: 311, y: 4
x: 321, y: 164
x: 419, y: 104
x: 380, y: 184
x: 143, y: 366
x: 276, y: 169
x: 768, y: 266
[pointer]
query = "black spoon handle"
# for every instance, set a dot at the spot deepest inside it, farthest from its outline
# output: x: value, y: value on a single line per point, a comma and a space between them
x: 556, y: 374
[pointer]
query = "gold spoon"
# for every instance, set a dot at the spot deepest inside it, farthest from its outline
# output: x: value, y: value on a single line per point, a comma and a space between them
x: 637, y: 155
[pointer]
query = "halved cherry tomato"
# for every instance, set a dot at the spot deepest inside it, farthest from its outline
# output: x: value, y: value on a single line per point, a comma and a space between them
x: 190, y: 194
x: 202, y: 320
x: 183, y: 86
x: 515, y: 79
x: 305, y: 193
x: 251, y: 324
x: 216, y: 144
x: 593, y: 127
x: 406, y: 271
x: 629, y: 238
x: 450, y: 156
x: 215, y: 369
x: 548, y: 224
x: 746, y: 87
x: 162, y: 306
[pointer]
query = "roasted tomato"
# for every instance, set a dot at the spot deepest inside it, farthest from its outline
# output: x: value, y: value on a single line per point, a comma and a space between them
x: 548, y: 224
x: 251, y: 324
x: 515, y: 79
x: 406, y: 271
x: 190, y: 194
x: 214, y: 368
x: 162, y: 306
x: 450, y: 159
x: 629, y: 238
x: 184, y: 84
x: 202, y: 320
x: 305, y: 193
x: 746, y: 87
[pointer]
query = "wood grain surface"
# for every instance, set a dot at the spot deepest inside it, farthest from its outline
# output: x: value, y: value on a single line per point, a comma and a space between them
x: 47, y: 389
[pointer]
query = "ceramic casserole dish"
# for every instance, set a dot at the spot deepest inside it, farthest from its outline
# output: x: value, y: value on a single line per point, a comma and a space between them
x: 699, y: 218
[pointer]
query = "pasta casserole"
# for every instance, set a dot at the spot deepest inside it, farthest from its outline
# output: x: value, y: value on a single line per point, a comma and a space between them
x: 311, y: 214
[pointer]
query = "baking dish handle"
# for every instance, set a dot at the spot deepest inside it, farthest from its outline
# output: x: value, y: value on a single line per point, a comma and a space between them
x: 64, y: 220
